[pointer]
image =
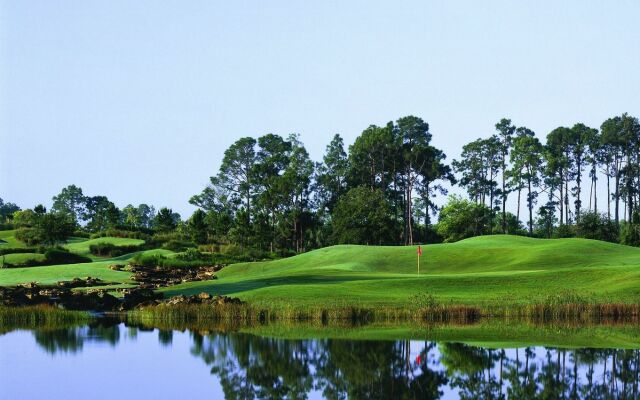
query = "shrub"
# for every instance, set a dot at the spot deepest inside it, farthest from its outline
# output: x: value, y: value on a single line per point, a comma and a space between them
x: 461, y: 219
x: 14, y: 250
x: 62, y: 256
x: 111, y: 250
x: 630, y: 234
x: 178, y: 245
x: 120, y: 233
x: 28, y: 236
x: 564, y: 231
x: 81, y: 234
x: 596, y: 226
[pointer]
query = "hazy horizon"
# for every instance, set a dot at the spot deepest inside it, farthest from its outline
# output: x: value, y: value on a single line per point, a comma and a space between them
x: 138, y: 102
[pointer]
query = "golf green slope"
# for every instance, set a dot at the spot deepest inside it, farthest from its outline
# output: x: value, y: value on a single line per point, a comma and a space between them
x: 489, y: 270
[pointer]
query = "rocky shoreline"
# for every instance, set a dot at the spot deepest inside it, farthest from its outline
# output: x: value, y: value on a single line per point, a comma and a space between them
x: 93, y: 297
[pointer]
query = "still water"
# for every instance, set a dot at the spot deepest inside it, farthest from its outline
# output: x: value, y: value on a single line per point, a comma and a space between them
x: 113, y: 361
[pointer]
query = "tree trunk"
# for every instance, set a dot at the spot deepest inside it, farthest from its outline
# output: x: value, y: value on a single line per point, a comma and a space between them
x: 518, y: 212
x: 504, y: 195
x: 608, y: 195
x: 617, y: 196
x: 595, y: 194
x: 629, y: 188
x: 561, y: 204
x: 566, y: 201
x: 578, y: 201
x: 530, y: 205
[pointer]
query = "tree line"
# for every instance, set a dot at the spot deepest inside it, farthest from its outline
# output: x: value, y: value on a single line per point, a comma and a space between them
x: 384, y: 188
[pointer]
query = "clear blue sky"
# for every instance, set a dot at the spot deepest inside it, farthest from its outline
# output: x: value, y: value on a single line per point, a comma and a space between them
x: 138, y: 100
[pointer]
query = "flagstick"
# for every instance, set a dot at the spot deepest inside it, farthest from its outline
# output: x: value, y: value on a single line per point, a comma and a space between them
x: 418, y: 264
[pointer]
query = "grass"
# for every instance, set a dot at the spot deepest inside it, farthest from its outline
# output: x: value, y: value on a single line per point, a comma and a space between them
x: 82, y: 246
x: 39, y: 317
x: 22, y: 258
x: 8, y: 239
x: 488, y: 271
x: 546, y: 278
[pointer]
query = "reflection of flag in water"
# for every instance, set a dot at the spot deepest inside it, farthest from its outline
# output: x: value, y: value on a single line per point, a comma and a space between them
x: 418, y: 359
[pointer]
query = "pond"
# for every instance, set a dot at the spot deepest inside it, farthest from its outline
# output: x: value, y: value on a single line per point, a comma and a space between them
x: 109, y: 360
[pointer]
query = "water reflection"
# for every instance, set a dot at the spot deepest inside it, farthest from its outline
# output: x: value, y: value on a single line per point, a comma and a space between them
x: 247, y: 366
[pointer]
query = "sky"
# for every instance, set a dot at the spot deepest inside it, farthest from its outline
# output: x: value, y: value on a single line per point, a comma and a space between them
x: 138, y: 100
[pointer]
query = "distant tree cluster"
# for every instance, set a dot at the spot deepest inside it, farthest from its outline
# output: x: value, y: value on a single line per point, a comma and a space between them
x: 514, y: 161
x: 268, y: 195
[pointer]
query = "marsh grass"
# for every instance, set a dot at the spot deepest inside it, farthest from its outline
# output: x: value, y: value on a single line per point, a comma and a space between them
x: 565, y: 307
x: 40, y: 316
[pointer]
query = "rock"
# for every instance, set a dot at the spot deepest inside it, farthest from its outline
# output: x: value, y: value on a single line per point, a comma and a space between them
x: 204, y: 296
x: 30, y: 285
x: 115, y: 267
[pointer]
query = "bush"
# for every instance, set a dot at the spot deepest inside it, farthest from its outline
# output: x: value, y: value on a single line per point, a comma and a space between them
x: 81, y: 234
x: 62, y: 256
x: 14, y: 250
x: 120, y: 233
x: 461, y: 219
x: 178, y: 245
x: 597, y: 226
x: 564, y: 231
x: 28, y: 236
x: 111, y: 250
x: 630, y: 234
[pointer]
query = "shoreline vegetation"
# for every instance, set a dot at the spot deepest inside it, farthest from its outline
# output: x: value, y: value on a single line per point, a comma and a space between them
x: 504, y: 330
x: 243, y: 312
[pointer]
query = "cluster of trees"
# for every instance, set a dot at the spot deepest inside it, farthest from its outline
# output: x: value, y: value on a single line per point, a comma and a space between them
x: 514, y: 161
x: 73, y: 212
x: 270, y: 196
x: 268, y: 193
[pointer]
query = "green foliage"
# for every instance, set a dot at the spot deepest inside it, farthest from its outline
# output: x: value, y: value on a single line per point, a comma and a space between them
x: 119, y: 233
x: 460, y: 219
x: 630, y: 234
x: 423, y: 300
x: 25, y: 218
x: 56, y: 256
x: 564, y: 231
x: 362, y: 216
x: 597, y: 226
x: 47, y: 229
x: 71, y: 202
x: 105, y: 249
x: 178, y: 245
x: 7, y: 210
x: 197, y: 227
x: 166, y: 220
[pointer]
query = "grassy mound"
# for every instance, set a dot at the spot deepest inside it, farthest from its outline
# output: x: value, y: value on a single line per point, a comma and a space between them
x: 8, y: 239
x: 23, y: 258
x: 484, y: 271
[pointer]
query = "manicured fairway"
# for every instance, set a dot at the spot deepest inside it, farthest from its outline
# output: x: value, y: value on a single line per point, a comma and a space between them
x: 489, y: 270
x: 482, y: 271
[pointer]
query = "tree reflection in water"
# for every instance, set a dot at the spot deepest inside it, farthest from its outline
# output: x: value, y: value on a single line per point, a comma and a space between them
x: 249, y: 366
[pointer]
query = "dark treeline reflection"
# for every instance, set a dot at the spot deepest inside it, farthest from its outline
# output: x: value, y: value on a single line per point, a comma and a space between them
x: 250, y: 366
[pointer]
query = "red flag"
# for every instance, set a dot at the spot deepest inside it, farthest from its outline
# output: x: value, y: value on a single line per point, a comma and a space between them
x: 419, y: 251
